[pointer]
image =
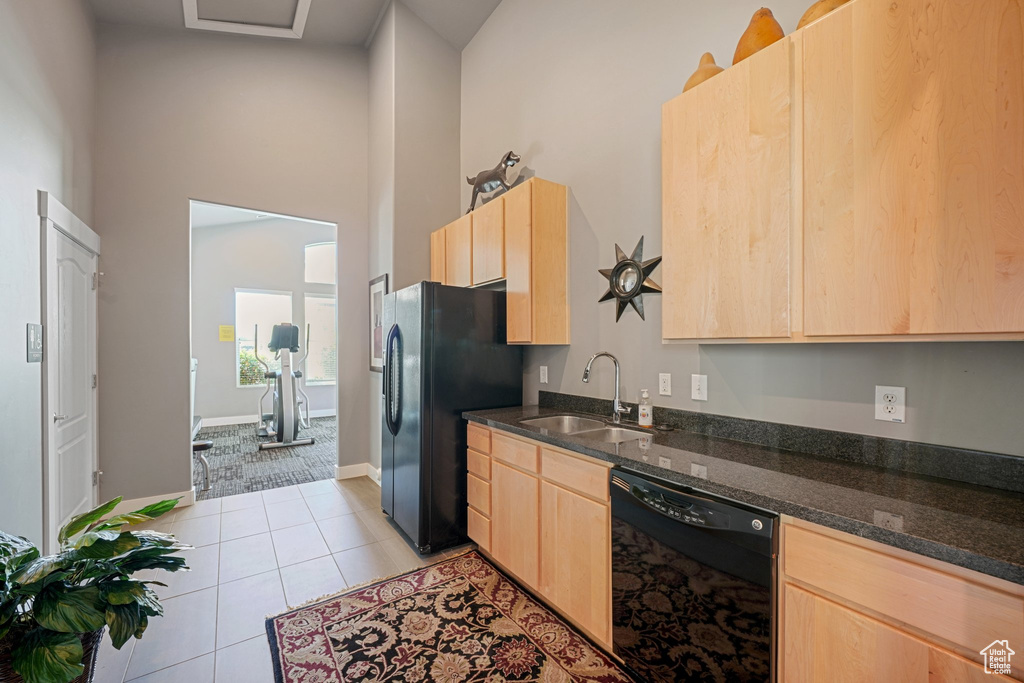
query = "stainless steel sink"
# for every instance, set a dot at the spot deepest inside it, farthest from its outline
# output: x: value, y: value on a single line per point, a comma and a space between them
x: 583, y: 427
x: 612, y: 435
x: 564, y: 424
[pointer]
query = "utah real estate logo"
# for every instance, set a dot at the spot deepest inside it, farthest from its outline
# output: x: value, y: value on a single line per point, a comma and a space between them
x: 997, y: 657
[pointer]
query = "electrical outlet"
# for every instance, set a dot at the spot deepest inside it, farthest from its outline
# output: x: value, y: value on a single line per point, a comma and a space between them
x: 699, y: 387
x: 664, y: 462
x: 665, y: 384
x: 891, y: 404
x: 699, y: 471
x: 543, y: 374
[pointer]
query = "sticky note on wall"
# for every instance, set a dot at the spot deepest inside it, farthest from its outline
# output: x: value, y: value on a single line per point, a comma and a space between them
x: 227, y: 333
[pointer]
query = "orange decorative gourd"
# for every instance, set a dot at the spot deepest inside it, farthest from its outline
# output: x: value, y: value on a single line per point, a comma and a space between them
x: 762, y: 32
x: 818, y: 10
x: 705, y: 70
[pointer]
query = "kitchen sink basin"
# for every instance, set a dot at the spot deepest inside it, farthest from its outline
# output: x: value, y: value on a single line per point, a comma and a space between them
x: 612, y: 435
x: 584, y: 427
x: 564, y: 424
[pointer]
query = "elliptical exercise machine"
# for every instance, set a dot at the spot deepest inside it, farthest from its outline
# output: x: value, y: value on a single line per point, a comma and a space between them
x: 287, y: 418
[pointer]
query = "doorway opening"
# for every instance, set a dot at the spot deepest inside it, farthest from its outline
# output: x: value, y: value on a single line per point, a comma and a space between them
x: 264, y: 361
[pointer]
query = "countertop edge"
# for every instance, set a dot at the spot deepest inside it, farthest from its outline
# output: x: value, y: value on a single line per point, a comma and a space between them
x: 915, y: 544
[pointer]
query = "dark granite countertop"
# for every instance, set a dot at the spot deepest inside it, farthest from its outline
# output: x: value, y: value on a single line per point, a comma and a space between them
x: 971, y: 526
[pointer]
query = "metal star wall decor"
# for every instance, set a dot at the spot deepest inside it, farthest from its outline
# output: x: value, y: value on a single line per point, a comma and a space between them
x: 630, y: 279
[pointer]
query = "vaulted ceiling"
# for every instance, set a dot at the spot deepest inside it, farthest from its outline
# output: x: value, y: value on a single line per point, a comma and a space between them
x: 339, y: 22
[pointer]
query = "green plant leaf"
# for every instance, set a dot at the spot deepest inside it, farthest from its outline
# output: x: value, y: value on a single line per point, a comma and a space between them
x: 82, y: 521
x: 150, y: 512
x: 40, y: 568
x: 102, y: 549
x: 43, y: 656
x: 123, y: 621
x: 123, y: 592
x: 77, y: 609
x: 90, y: 537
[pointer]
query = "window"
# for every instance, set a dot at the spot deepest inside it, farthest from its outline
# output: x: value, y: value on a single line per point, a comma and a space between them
x: 321, y: 262
x: 265, y: 309
x: 322, y: 364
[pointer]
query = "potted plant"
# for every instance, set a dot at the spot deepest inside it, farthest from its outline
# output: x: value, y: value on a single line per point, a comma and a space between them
x: 53, y: 608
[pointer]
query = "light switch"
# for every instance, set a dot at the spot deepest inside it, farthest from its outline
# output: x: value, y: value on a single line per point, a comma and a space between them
x: 699, y: 387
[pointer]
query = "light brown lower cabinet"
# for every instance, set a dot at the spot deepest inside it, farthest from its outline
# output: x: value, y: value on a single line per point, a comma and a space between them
x: 828, y: 642
x: 575, y: 568
x: 857, y: 610
x: 515, y: 517
x: 547, y: 522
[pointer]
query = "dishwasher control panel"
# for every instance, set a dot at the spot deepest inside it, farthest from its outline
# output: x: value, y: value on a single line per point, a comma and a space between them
x: 689, y: 513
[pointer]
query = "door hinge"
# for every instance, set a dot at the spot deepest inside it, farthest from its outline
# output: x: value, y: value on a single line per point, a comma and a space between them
x: 95, y: 381
x: 95, y: 280
x: 96, y: 477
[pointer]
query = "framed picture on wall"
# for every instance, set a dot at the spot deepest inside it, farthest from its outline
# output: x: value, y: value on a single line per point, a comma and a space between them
x: 378, y: 288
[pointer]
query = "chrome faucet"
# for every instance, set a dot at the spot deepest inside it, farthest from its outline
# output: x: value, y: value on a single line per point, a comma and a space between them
x: 617, y: 410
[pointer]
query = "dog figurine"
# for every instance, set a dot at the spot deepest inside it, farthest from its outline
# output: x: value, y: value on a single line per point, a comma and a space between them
x: 500, y: 176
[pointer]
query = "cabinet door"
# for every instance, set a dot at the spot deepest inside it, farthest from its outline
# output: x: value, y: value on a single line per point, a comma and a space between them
x: 575, y: 558
x: 824, y: 641
x: 913, y: 123
x: 437, y: 256
x: 518, y: 257
x: 726, y: 193
x: 459, y: 252
x: 489, y: 241
x: 515, y: 517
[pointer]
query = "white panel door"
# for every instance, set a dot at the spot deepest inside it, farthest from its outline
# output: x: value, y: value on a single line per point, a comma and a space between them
x: 70, y: 355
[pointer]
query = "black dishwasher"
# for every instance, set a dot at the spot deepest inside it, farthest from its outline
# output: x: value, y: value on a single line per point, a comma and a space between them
x: 693, y: 579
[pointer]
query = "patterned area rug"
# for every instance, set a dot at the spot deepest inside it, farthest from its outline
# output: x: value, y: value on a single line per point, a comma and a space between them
x: 238, y: 466
x: 458, y: 620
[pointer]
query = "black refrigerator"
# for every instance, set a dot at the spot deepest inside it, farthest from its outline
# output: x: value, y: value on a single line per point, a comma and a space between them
x: 445, y: 352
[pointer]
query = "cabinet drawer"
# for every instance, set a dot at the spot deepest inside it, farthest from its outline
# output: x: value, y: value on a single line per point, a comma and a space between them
x: 522, y: 454
x: 479, y: 438
x: 589, y: 478
x: 479, y: 464
x: 478, y: 528
x: 952, y: 608
x: 478, y: 493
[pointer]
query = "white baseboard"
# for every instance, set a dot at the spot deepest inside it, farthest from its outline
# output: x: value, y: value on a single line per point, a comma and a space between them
x: 363, y: 469
x: 253, y: 419
x: 187, y: 498
x: 231, y: 420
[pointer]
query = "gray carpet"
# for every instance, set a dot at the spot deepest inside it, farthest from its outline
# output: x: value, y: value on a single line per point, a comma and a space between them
x: 238, y: 466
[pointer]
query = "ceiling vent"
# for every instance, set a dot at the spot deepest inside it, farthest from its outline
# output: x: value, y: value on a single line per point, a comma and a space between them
x: 267, y: 18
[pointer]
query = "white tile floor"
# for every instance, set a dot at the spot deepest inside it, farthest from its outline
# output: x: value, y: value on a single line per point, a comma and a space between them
x: 257, y: 554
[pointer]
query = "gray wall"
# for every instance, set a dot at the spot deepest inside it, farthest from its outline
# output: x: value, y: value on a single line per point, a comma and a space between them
x: 576, y: 87
x: 262, y: 124
x: 414, y: 143
x: 266, y: 254
x: 47, y: 85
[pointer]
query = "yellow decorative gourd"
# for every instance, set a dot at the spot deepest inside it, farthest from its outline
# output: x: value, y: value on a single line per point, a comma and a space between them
x: 705, y: 70
x: 762, y: 32
x: 818, y: 10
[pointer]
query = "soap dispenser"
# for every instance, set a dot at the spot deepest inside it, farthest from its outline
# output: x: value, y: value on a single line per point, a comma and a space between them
x: 645, y: 416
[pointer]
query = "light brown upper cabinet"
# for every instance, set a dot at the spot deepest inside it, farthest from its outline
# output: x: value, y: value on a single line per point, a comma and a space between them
x: 437, y: 256
x: 537, y: 263
x: 521, y: 237
x: 726, y: 216
x: 458, y: 249
x: 860, y: 180
x: 913, y: 128
x: 489, y: 242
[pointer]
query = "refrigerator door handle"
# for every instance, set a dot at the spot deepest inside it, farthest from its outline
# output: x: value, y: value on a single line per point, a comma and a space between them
x: 392, y: 390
